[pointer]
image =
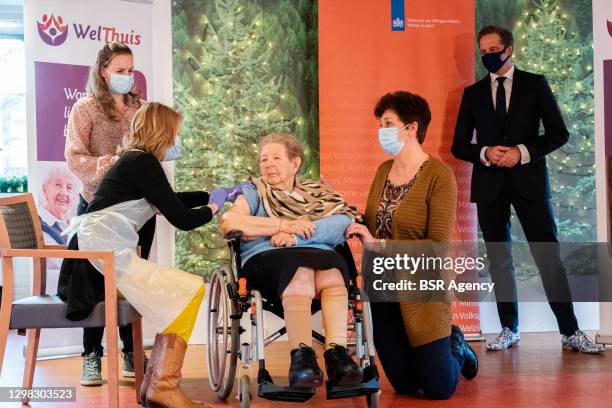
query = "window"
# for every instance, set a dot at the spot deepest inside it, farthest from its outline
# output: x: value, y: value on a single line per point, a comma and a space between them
x: 13, y: 139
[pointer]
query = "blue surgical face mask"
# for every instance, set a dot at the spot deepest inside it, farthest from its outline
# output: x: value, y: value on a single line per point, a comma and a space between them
x: 493, y: 62
x: 121, y: 84
x: 174, y: 152
x: 389, y: 141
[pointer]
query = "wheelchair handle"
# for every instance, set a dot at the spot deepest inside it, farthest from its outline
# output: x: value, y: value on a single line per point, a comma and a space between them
x: 359, y: 281
x: 242, y: 287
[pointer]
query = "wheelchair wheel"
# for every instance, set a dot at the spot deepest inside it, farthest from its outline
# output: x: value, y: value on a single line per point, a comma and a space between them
x: 223, y: 335
x: 373, y: 400
x: 245, y: 391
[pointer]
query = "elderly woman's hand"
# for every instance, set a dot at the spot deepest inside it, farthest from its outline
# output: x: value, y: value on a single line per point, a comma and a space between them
x: 283, y: 239
x: 360, y: 231
x: 227, y: 223
x: 303, y: 228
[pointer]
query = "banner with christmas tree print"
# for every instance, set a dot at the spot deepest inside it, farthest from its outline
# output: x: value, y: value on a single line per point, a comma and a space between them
x: 555, y: 38
x: 602, y: 46
x: 242, y: 69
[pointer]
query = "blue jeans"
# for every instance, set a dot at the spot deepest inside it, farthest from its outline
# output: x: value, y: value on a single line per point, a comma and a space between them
x: 431, y: 368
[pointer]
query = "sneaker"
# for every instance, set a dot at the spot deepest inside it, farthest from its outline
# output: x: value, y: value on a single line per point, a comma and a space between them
x: 92, y: 370
x: 127, y: 370
x: 506, y: 339
x: 341, y: 368
x: 581, y: 342
x: 304, y: 372
x: 461, y: 348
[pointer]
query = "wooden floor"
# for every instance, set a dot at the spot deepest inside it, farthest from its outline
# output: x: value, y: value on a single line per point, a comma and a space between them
x: 538, y: 373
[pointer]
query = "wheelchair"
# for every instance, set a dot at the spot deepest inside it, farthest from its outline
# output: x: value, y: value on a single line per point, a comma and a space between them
x: 228, y: 360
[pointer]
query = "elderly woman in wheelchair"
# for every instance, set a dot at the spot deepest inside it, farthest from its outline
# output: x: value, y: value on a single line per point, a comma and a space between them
x: 289, y: 228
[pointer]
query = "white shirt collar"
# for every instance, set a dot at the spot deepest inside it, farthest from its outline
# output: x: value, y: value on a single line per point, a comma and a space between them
x: 49, y: 218
x: 509, y: 75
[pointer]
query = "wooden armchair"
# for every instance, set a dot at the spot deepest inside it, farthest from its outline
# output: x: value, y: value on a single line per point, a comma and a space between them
x: 21, y: 236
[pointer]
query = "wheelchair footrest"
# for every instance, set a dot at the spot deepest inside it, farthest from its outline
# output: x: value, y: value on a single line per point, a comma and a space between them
x: 348, y: 391
x: 273, y: 392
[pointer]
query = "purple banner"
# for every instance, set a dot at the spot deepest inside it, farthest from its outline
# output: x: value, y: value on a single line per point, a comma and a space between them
x: 58, y: 87
x: 608, y: 106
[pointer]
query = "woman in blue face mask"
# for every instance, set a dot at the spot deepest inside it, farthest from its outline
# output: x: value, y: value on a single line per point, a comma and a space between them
x: 413, y: 200
x: 96, y: 126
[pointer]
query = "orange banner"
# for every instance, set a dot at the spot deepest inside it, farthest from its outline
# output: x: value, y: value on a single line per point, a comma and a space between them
x: 365, y: 52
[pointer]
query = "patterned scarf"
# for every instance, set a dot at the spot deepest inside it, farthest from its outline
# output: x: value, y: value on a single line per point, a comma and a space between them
x: 309, y: 200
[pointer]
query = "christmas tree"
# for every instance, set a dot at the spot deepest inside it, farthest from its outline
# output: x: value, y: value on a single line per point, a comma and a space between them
x: 547, y: 42
x: 242, y: 69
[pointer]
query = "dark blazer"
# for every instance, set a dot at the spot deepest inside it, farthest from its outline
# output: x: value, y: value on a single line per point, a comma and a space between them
x: 531, y: 102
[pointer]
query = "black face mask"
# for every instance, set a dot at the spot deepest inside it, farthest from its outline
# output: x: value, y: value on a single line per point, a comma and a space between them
x: 493, y: 62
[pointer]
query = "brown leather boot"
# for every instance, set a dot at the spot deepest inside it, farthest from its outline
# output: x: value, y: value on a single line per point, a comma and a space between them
x: 147, y: 377
x: 164, y: 387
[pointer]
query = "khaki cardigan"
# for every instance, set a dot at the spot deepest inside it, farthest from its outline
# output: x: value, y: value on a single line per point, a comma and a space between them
x: 426, y: 213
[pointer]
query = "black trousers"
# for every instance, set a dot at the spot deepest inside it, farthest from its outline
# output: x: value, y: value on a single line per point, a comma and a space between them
x: 431, y: 368
x: 537, y: 220
x: 92, y: 336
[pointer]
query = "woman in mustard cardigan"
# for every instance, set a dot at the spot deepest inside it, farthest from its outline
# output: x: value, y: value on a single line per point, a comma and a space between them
x: 413, y: 198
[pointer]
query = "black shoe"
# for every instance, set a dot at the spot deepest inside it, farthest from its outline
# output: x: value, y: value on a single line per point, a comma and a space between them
x: 462, y: 349
x: 340, y: 367
x: 304, y: 371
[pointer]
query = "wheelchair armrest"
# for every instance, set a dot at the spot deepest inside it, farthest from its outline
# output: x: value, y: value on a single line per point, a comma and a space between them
x: 233, y: 235
x: 233, y: 242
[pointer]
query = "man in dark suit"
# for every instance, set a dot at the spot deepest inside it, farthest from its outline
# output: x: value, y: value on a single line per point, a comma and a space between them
x: 505, y: 108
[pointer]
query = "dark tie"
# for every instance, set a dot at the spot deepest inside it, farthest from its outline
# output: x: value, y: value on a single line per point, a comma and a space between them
x: 500, y: 101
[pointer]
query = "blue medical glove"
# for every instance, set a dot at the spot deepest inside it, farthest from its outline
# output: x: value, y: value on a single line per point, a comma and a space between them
x: 218, y: 197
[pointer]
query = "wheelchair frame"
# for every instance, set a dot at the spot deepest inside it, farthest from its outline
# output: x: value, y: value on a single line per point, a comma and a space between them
x: 229, y: 298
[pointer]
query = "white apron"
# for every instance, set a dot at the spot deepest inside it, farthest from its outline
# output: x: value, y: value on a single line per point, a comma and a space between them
x: 159, y: 293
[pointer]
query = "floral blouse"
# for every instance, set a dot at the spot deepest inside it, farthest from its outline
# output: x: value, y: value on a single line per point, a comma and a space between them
x: 391, y: 198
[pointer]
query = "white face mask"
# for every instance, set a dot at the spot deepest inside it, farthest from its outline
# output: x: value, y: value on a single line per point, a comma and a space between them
x: 389, y: 141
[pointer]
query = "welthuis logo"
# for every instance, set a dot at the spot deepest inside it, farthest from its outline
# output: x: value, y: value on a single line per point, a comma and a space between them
x: 52, y: 30
x: 106, y: 34
x: 609, y: 27
x: 398, y: 17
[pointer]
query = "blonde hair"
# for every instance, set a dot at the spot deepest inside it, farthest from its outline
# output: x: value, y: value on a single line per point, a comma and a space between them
x: 292, y: 145
x: 153, y: 130
x: 97, y: 87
